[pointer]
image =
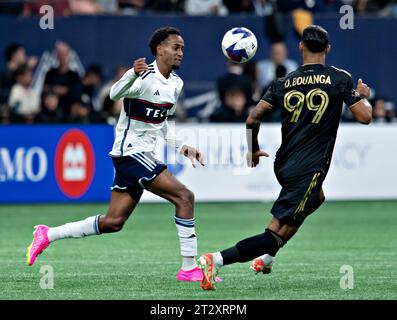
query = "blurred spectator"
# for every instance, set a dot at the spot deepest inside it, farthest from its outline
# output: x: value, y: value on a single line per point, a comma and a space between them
x: 166, y: 5
x: 383, y: 111
x: 32, y: 7
x: 239, y: 6
x: 15, y: 57
x: 23, y: 101
x: 234, y: 108
x: 50, y: 111
x: 249, y: 70
x: 131, y: 6
x: 109, y: 6
x: 234, y: 78
x: 391, y: 111
x: 276, y: 19
x: 85, y: 7
x: 362, y: 7
x: 275, y: 23
x: 62, y: 81
x: 81, y: 113
x: 92, y: 82
x: 111, y: 110
x: 389, y: 10
x: 263, y: 7
x: 11, y: 7
x: 205, y: 7
x: 266, y: 69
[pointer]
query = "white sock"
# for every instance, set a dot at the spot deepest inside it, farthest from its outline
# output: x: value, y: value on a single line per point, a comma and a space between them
x: 267, y: 259
x: 187, y: 242
x: 218, y: 259
x: 77, y: 229
x: 188, y: 263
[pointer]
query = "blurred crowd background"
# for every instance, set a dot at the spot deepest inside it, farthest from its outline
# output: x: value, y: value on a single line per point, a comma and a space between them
x: 70, y: 91
x: 192, y: 7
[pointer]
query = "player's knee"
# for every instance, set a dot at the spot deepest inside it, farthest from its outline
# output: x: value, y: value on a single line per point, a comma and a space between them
x: 186, y: 197
x: 320, y: 201
x: 316, y: 203
x: 321, y: 197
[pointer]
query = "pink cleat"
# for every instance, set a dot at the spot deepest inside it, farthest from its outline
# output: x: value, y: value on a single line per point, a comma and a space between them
x: 194, y: 275
x: 39, y: 243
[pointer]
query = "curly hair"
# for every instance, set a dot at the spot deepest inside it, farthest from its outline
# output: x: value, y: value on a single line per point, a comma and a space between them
x: 159, y: 36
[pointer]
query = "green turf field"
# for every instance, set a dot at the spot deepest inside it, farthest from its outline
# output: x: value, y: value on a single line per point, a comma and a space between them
x: 141, y: 261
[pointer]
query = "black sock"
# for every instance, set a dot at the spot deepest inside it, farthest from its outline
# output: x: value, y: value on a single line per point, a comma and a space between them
x: 268, y: 242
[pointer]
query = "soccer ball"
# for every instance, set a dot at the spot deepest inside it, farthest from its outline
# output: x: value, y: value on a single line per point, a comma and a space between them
x: 239, y: 44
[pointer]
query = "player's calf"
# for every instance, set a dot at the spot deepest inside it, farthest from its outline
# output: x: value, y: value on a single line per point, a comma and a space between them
x: 184, y: 203
x: 250, y: 248
x: 111, y: 224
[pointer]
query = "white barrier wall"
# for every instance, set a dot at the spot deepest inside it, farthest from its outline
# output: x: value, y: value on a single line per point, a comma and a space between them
x: 364, y: 164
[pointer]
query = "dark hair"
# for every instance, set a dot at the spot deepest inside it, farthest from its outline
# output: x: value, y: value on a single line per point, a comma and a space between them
x: 94, y: 69
x: 22, y: 70
x: 234, y: 90
x: 281, y: 71
x: 11, y: 50
x: 159, y: 36
x: 315, y: 38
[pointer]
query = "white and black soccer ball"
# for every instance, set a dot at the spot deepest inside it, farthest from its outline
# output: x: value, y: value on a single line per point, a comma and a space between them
x: 239, y: 44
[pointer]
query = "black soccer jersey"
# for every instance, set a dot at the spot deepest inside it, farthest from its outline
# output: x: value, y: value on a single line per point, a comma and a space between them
x: 310, y: 100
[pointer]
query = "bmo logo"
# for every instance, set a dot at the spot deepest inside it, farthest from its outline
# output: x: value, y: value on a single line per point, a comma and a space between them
x: 74, y: 163
x: 25, y: 164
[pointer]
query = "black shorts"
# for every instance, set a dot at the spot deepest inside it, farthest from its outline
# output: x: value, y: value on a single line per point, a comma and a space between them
x: 135, y: 172
x: 298, y: 198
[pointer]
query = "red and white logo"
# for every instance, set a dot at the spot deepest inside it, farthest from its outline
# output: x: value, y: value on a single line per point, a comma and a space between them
x: 74, y: 163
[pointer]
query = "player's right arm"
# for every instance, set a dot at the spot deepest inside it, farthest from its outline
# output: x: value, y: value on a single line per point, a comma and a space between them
x: 121, y: 88
x: 362, y: 110
x: 253, y: 123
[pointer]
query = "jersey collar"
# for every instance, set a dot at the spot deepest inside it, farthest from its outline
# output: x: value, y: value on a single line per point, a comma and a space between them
x: 159, y: 74
x: 312, y: 64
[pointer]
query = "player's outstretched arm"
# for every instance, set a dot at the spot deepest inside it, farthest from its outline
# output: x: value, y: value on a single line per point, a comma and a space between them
x: 362, y: 110
x: 253, y: 123
x: 121, y: 88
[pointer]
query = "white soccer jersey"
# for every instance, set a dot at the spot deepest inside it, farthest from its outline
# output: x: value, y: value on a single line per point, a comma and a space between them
x: 148, y: 99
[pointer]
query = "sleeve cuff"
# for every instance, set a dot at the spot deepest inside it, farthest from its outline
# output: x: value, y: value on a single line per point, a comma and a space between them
x: 351, y: 106
x: 267, y: 101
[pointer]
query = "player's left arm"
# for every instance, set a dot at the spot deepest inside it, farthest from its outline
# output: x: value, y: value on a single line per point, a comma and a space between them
x: 262, y: 109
